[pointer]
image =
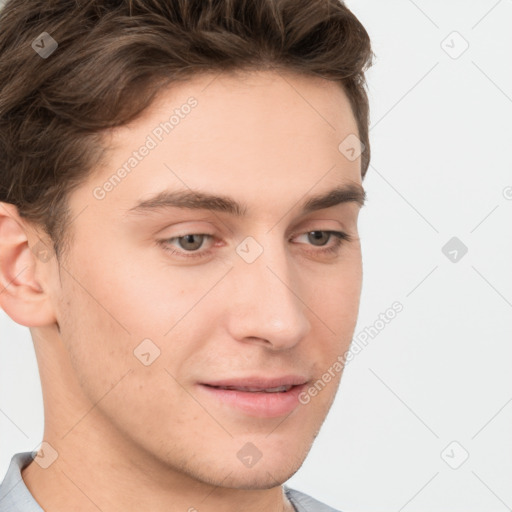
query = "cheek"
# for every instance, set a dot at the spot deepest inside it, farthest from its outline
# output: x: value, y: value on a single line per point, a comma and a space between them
x: 148, y: 294
x: 335, y: 308
x: 337, y: 295
x: 134, y: 396
x: 94, y: 337
x: 113, y: 307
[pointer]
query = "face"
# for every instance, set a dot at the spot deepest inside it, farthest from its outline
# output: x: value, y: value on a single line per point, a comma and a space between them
x: 161, y: 306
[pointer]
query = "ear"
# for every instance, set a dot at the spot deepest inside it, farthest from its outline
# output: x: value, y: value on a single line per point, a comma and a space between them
x: 23, y: 256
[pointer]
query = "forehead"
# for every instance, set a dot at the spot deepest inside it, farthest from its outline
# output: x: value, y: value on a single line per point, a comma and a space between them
x: 249, y: 135
x: 265, y: 103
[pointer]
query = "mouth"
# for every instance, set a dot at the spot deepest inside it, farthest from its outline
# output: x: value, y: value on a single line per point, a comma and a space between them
x: 277, y: 389
x: 257, y: 397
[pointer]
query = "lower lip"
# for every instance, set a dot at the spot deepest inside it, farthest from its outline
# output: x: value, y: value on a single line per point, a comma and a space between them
x: 259, y: 403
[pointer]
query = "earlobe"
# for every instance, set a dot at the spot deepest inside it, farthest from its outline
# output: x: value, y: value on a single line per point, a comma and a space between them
x: 22, y: 296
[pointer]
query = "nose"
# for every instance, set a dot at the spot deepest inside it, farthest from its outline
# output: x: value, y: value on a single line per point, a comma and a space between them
x: 265, y: 305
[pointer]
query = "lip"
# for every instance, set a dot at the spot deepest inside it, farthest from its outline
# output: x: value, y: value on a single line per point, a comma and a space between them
x: 260, y: 381
x: 257, y: 403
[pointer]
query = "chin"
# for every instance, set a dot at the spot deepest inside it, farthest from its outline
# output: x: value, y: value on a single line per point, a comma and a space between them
x: 258, y: 479
x: 266, y: 473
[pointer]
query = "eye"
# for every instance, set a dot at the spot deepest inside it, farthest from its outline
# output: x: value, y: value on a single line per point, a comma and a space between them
x: 191, y: 242
x: 188, y: 245
x: 319, y: 236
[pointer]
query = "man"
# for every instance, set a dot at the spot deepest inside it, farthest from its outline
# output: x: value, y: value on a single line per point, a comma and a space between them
x: 178, y: 228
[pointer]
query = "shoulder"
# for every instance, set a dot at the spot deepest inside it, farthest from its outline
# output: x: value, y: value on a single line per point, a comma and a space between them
x: 305, y: 503
x: 14, y: 495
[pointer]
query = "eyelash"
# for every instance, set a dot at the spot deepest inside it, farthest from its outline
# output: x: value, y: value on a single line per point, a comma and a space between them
x: 341, y: 238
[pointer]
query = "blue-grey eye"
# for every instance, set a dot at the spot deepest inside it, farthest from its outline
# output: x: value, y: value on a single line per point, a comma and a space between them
x: 319, y: 235
x: 189, y: 243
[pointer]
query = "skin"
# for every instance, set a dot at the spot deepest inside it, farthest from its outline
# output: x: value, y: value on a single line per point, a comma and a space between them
x: 133, y: 437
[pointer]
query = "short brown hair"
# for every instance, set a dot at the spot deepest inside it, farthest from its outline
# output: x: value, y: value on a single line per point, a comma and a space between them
x: 113, y: 56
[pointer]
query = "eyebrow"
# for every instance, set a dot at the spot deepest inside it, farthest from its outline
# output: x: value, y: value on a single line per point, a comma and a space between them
x: 196, y: 200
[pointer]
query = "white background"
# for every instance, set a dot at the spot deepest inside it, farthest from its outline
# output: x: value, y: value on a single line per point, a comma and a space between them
x: 439, y: 372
